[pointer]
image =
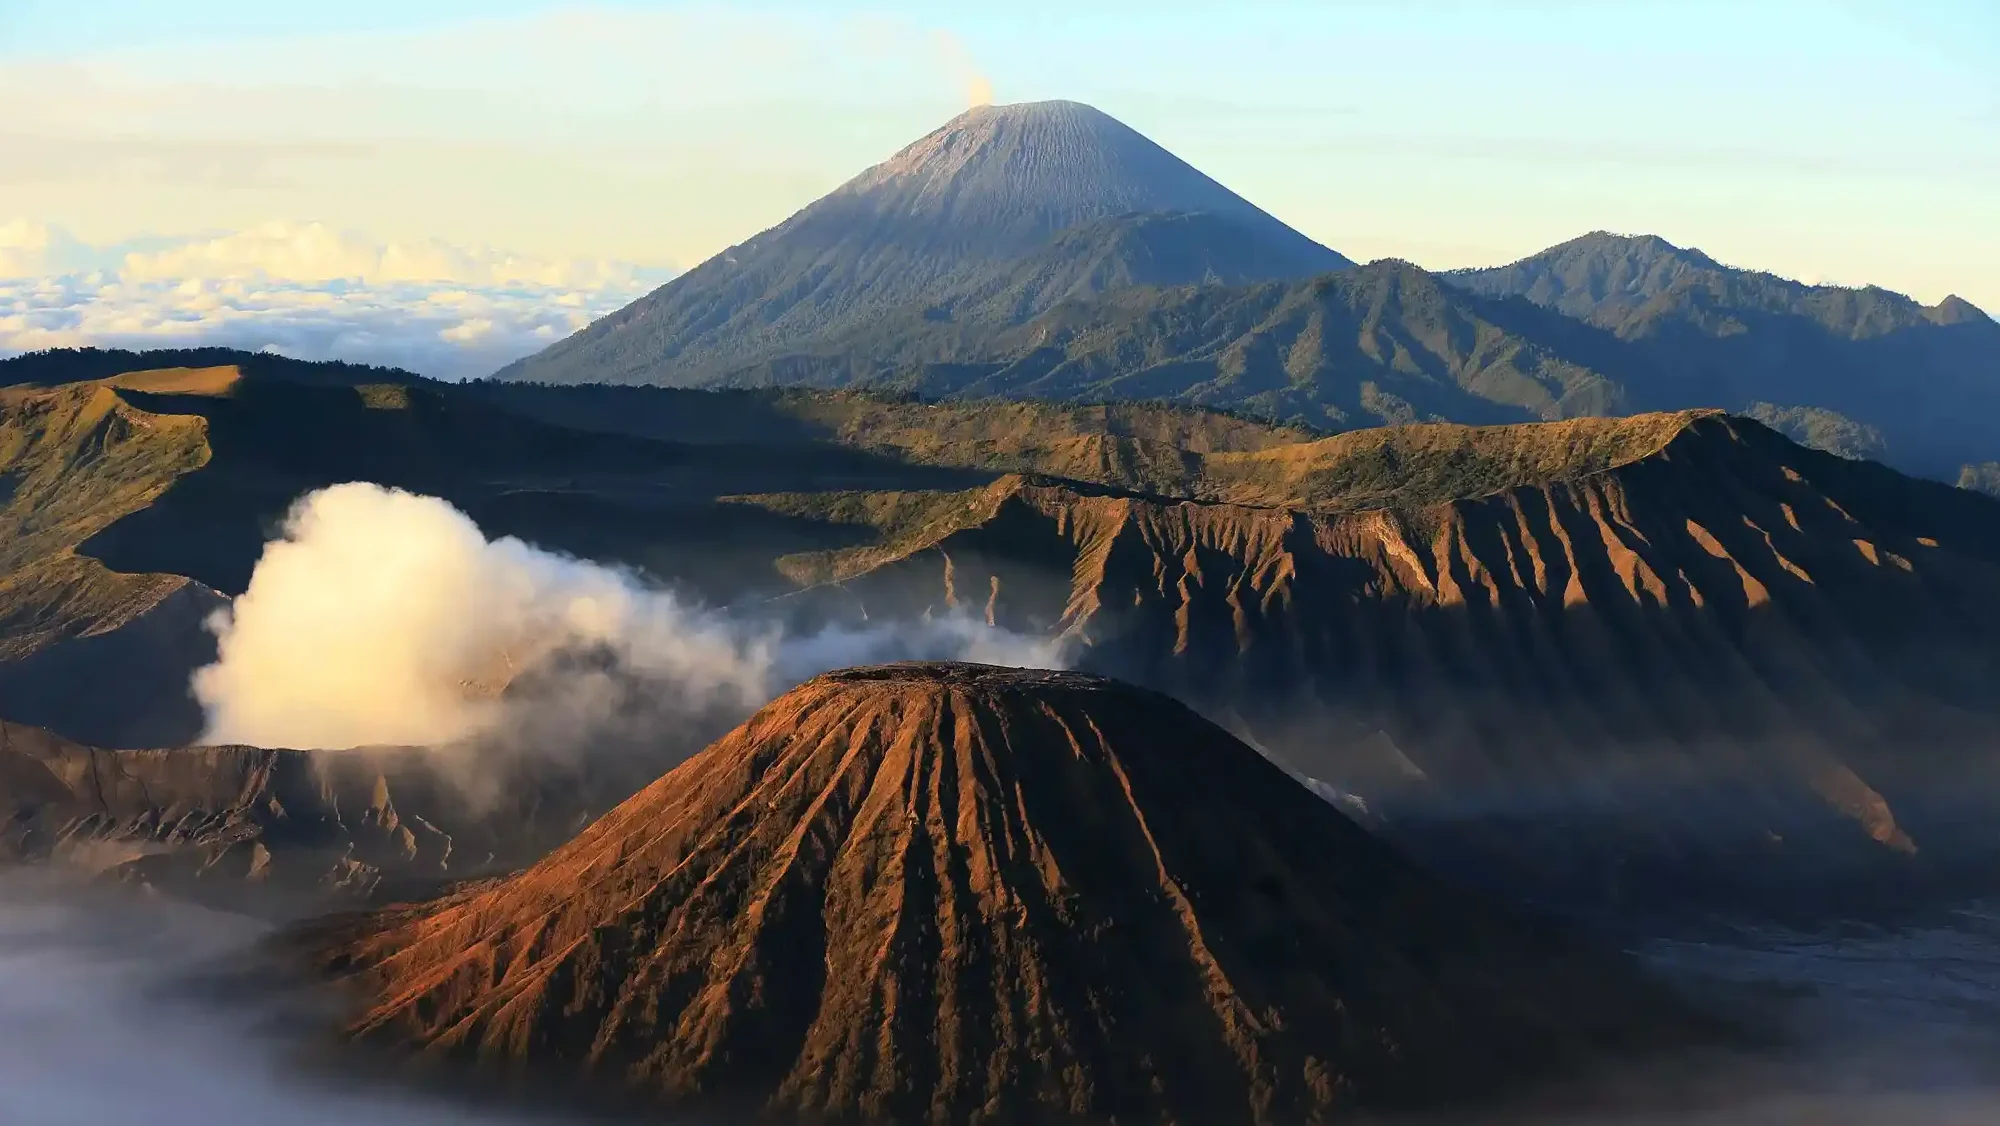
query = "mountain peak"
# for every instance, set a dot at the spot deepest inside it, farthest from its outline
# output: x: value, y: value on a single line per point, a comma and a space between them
x: 1591, y: 271
x: 1638, y: 247
x: 959, y: 213
x: 1008, y: 177
x: 1050, y: 107
x: 1957, y: 310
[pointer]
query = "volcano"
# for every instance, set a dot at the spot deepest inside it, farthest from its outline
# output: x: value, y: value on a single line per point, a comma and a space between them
x: 953, y: 893
x: 961, y: 224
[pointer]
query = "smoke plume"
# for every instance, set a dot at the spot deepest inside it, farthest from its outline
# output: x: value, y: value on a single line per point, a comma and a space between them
x: 383, y: 617
x: 977, y: 87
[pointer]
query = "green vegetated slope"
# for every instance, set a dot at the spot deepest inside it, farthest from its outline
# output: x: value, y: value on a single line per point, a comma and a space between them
x: 1386, y: 342
x: 1926, y: 379
x: 1861, y: 373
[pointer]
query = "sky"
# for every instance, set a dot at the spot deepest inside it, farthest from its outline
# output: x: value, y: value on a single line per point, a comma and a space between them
x: 292, y: 169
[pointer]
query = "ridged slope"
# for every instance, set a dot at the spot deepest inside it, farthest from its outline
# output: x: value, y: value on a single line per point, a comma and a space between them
x: 1382, y: 343
x: 77, y: 637
x: 276, y: 831
x: 221, y: 824
x: 1622, y: 282
x: 1696, y: 648
x: 955, y: 893
x: 964, y: 215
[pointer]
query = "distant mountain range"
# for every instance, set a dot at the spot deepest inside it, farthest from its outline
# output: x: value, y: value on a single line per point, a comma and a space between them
x: 1047, y: 250
x: 1925, y: 378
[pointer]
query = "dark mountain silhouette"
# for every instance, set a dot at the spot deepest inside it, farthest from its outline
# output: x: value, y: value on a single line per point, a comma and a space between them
x: 949, y: 893
x: 994, y: 216
x: 54, y: 366
x: 1926, y: 377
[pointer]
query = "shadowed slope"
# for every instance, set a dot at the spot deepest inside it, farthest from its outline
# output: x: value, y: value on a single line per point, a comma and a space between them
x: 1924, y: 379
x: 279, y: 831
x: 959, y: 893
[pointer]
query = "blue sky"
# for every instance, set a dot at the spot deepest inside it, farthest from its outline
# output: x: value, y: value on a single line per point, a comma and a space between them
x: 1837, y: 140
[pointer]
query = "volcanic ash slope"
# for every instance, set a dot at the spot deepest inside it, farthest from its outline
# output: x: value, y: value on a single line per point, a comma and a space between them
x: 947, y: 893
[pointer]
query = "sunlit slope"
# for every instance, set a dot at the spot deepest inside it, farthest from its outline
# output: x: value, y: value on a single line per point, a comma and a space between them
x: 74, y: 460
x: 948, y: 893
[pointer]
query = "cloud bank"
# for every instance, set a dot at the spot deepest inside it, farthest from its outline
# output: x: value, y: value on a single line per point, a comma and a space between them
x: 385, y: 617
x: 111, y: 1018
x: 304, y: 290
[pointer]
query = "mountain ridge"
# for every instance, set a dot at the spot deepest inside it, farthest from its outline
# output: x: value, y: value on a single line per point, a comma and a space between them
x: 1605, y: 278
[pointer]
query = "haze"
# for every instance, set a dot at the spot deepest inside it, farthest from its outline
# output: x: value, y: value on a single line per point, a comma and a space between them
x: 133, y: 1023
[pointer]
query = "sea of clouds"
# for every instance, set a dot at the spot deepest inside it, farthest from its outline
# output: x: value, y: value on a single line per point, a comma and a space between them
x: 304, y: 290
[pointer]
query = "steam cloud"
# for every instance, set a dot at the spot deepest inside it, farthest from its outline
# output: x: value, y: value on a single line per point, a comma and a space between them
x: 385, y: 617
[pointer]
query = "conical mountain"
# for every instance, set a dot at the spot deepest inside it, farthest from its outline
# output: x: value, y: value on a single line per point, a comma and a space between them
x: 954, y: 893
x: 948, y: 223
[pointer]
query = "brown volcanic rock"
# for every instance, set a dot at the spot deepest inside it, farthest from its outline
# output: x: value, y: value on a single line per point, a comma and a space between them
x: 953, y: 892
x: 278, y: 831
x: 1740, y: 668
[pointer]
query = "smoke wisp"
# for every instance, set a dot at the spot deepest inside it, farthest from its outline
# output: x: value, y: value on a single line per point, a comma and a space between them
x: 381, y: 617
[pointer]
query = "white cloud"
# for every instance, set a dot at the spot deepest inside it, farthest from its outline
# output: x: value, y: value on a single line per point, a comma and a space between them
x: 304, y: 290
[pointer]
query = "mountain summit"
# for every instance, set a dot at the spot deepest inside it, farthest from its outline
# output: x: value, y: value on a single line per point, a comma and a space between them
x: 962, y: 224
x: 1005, y: 178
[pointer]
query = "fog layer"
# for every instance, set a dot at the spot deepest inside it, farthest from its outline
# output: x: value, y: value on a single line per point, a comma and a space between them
x: 112, y: 1014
